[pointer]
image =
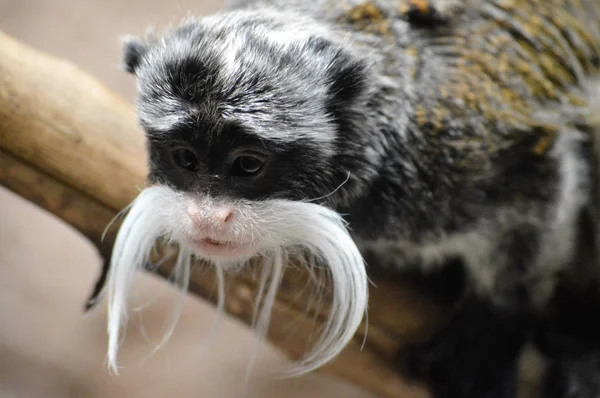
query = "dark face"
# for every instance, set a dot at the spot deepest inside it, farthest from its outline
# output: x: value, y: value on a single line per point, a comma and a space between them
x: 238, y: 115
x: 227, y: 160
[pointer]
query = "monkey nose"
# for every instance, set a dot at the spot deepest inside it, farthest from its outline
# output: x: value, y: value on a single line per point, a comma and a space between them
x: 222, y: 214
x: 211, y: 214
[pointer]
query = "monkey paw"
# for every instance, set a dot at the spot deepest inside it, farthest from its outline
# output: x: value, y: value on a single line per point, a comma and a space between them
x: 576, y: 377
x: 474, y: 356
x: 458, y: 374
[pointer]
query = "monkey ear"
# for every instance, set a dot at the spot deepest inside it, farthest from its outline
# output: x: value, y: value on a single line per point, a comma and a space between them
x: 134, y: 50
x: 348, y: 78
x: 347, y: 74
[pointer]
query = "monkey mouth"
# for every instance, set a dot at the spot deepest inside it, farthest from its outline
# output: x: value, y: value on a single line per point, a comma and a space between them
x: 219, y: 248
x: 214, y: 242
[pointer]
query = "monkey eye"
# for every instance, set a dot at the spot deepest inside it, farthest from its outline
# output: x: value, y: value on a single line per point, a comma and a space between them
x: 185, y: 159
x: 246, y: 166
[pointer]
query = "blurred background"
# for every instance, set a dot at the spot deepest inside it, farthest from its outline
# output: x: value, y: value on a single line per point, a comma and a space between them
x: 47, y: 347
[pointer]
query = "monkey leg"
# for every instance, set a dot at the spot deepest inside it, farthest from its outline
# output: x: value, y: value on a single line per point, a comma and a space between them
x: 476, y: 353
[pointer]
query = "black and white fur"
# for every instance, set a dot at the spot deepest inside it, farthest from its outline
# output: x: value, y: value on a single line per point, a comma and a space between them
x: 331, y: 110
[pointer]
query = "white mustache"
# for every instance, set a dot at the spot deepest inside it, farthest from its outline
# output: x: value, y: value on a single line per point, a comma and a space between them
x: 278, y: 228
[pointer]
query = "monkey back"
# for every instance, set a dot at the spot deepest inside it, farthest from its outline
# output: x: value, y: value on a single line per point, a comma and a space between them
x: 482, y: 70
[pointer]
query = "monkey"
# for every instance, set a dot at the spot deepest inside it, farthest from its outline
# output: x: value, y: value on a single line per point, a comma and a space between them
x: 390, y: 137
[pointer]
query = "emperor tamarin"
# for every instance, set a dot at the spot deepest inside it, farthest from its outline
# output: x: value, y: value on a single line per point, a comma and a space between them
x: 447, y: 134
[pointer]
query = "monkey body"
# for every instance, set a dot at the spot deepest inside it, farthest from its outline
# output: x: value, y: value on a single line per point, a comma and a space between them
x: 450, y: 134
x: 458, y: 153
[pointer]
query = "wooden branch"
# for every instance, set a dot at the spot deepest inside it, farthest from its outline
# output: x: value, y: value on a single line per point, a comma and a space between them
x: 74, y: 148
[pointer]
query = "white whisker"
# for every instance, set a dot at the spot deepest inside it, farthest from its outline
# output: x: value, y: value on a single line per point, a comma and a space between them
x: 182, y: 278
x: 274, y: 272
x: 275, y: 229
x: 332, y: 192
x: 115, y: 218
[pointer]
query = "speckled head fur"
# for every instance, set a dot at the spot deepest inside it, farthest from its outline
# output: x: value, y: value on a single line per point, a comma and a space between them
x: 237, y: 84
